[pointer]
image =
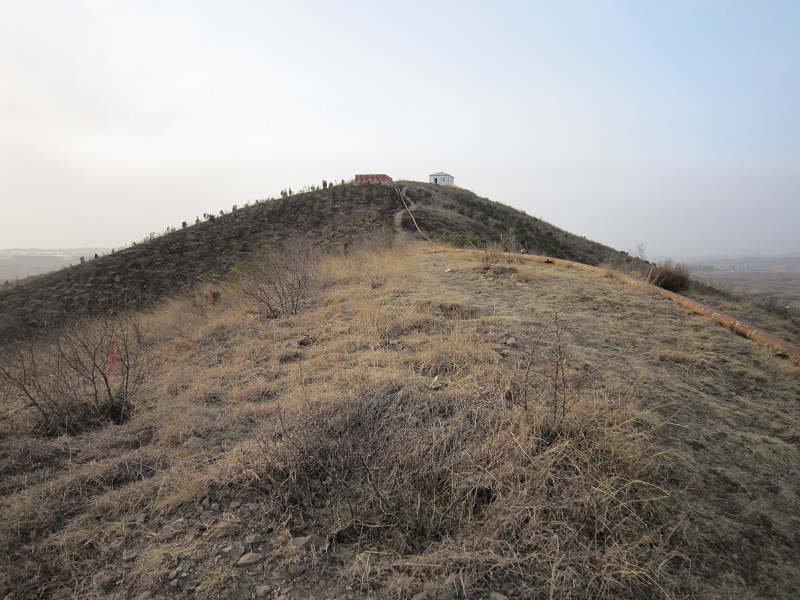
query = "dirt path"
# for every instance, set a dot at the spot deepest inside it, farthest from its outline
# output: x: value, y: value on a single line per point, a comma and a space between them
x: 398, y: 217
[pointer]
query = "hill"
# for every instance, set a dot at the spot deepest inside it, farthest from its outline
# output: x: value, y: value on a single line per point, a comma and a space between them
x: 297, y: 399
x: 427, y: 424
x: 175, y: 262
x: 458, y: 216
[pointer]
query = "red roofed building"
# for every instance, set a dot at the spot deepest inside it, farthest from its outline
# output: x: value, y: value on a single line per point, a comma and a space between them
x: 384, y: 179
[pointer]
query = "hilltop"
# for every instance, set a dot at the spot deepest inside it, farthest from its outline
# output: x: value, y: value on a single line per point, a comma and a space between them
x: 175, y: 262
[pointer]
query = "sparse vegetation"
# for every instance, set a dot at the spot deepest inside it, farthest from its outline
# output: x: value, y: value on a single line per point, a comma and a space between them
x: 418, y: 427
x: 453, y: 214
x: 474, y: 479
x: 165, y: 265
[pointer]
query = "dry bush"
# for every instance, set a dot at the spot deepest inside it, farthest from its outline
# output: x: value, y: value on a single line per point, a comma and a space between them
x: 491, y: 257
x: 86, y: 376
x: 444, y: 480
x: 674, y: 277
x: 280, y: 279
x: 608, y: 269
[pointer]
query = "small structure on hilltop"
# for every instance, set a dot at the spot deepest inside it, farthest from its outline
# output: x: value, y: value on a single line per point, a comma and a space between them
x: 442, y: 178
x: 371, y: 178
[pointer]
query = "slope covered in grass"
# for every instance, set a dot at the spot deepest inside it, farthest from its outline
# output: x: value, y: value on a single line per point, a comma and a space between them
x: 459, y: 216
x: 422, y: 425
x: 178, y: 261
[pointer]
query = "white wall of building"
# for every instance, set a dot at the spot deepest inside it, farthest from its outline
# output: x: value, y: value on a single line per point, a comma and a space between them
x: 442, y: 179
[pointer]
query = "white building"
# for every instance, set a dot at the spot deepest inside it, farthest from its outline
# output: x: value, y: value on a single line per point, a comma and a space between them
x: 442, y: 178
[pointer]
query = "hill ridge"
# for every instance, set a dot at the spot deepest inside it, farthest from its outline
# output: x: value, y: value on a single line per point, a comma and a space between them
x: 174, y: 262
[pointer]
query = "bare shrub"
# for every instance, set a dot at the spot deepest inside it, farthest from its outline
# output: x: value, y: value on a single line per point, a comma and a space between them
x: 86, y: 375
x: 512, y: 245
x: 668, y: 275
x: 280, y: 279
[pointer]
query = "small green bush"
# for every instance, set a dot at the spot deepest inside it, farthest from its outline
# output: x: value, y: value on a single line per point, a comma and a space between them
x: 461, y: 240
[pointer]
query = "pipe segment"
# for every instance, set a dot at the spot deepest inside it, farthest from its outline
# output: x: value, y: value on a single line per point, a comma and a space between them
x: 784, y: 348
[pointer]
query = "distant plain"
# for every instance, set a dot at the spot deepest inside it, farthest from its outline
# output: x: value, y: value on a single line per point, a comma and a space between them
x: 773, y: 281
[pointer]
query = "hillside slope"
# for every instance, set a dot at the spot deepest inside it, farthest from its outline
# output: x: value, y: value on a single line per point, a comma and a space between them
x: 451, y: 210
x: 175, y: 262
x: 424, y: 427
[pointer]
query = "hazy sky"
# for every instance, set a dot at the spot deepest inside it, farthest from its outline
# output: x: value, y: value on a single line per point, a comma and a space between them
x: 673, y: 124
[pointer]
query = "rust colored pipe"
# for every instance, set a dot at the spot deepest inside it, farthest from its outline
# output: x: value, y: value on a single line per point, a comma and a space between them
x: 784, y: 348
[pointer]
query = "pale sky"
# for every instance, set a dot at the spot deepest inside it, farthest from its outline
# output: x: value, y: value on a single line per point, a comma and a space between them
x: 675, y: 124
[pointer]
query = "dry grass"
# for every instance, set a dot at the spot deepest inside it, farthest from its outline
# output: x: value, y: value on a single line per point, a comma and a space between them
x: 437, y: 480
x: 420, y: 440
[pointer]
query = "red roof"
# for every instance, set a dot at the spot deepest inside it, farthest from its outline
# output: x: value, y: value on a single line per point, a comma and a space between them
x: 373, y: 177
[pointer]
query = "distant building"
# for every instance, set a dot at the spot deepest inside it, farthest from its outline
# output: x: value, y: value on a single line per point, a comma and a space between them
x: 384, y: 179
x: 442, y: 178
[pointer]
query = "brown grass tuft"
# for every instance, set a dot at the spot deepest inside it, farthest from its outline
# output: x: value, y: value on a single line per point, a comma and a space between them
x: 671, y: 276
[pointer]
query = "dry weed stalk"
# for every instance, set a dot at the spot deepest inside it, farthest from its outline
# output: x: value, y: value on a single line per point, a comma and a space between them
x: 558, y: 389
